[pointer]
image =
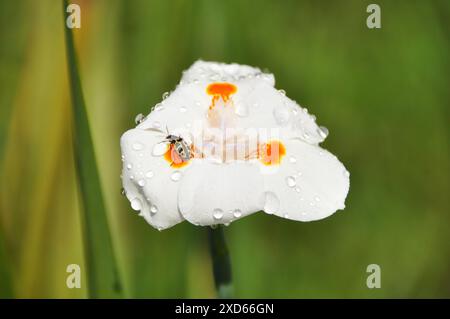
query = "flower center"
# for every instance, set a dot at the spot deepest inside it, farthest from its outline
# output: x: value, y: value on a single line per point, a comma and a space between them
x: 175, y: 160
x: 271, y: 153
x: 220, y: 90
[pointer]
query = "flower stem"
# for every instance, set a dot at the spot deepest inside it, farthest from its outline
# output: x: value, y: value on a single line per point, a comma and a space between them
x: 221, y: 262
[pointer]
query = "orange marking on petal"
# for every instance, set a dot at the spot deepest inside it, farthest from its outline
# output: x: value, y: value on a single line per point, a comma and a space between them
x: 173, y: 158
x: 271, y: 153
x: 220, y: 90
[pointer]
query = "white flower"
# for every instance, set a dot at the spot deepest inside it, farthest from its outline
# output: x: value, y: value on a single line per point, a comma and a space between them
x: 238, y: 146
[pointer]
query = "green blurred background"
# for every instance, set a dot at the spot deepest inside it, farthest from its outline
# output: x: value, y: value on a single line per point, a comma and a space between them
x: 383, y: 93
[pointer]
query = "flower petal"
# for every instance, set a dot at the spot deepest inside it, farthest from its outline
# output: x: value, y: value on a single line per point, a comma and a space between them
x: 310, y: 184
x: 269, y: 108
x: 150, y: 183
x: 212, y: 193
x: 202, y: 71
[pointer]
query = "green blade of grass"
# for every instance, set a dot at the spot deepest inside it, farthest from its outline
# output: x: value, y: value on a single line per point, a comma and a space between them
x: 6, y: 290
x: 102, y: 275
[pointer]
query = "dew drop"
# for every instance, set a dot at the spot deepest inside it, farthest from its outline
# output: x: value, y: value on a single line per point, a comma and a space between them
x: 158, y: 107
x: 123, y: 191
x: 149, y: 174
x: 218, y: 213
x: 129, y: 166
x: 159, y: 149
x: 176, y: 176
x: 317, y: 199
x: 156, y: 124
x: 293, y: 160
x: 153, y: 209
x: 297, y: 189
x: 241, y: 110
x: 138, y: 146
x: 139, y: 118
x: 281, y: 115
x: 346, y: 173
x: 272, y: 203
x: 323, y: 131
x: 282, y: 92
x: 286, y: 215
x: 290, y: 181
x: 141, y: 182
x: 183, y: 109
x: 136, y: 204
x: 165, y: 95
x: 237, y: 213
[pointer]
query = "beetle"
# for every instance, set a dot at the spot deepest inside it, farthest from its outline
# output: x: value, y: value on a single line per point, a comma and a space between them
x: 179, y: 146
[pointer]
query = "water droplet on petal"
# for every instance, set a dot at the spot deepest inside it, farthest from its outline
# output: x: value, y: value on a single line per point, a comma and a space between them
x: 282, y: 92
x: 290, y: 181
x: 165, y: 95
x: 183, y: 109
x: 237, y: 213
x: 156, y: 124
x: 346, y: 173
x: 159, y: 149
x: 153, y: 209
x: 176, y: 176
x: 136, y: 204
x: 281, y: 115
x: 286, y: 216
x: 139, y: 118
x: 141, y: 182
x: 158, y: 107
x: 323, y: 131
x: 218, y: 213
x: 292, y: 159
x: 149, y: 174
x: 129, y: 166
x: 272, y: 203
x: 297, y: 189
x: 241, y: 110
x: 138, y: 146
x: 123, y: 191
